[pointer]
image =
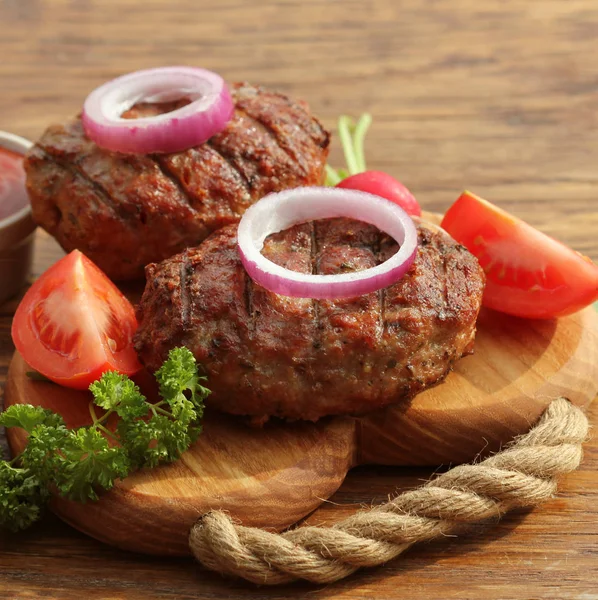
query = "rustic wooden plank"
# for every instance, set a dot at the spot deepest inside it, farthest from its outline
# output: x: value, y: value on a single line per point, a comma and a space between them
x: 497, y: 96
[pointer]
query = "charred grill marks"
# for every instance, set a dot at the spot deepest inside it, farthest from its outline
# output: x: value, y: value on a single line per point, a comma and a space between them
x: 74, y: 168
x: 317, y: 343
x: 137, y: 196
x: 172, y: 176
x: 230, y: 160
x: 289, y: 376
x: 248, y: 295
x: 382, y: 291
x: 444, y: 314
x: 322, y: 137
x: 297, y: 160
x: 184, y: 284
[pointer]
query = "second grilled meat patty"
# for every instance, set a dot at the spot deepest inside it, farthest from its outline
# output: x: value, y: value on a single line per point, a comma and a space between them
x: 300, y: 358
x: 125, y: 211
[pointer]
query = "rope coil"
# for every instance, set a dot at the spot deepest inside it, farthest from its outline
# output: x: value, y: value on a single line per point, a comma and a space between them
x: 522, y: 475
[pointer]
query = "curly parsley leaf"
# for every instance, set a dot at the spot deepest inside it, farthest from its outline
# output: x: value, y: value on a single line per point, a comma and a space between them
x: 158, y: 440
x: 79, y: 463
x: 22, y: 497
x: 179, y: 374
x: 40, y: 454
x: 28, y: 417
x: 86, y: 462
x: 114, y: 391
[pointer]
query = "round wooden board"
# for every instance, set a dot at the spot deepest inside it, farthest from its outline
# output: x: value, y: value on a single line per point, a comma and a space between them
x: 272, y: 477
x: 518, y: 368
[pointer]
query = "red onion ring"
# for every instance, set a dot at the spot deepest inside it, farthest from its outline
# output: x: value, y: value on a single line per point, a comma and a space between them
x: 280, y: 211
x: 208, y: 113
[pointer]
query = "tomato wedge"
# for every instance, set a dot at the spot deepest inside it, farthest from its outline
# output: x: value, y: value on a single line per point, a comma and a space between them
x: 528, y: 274
x: 74, y: 324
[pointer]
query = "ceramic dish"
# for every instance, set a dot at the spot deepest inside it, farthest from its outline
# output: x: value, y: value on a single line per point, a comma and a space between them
x: 16, y: 233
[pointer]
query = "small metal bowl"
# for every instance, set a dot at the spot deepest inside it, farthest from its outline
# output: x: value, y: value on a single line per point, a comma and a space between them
x: 16, y: 234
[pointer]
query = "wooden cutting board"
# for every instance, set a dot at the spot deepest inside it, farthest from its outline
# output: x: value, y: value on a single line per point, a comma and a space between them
x: 272, y: 477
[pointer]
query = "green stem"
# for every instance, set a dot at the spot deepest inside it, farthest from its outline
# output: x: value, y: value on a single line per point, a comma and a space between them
x: 107, y: 432
x: 332, y: 177
x: 103, y: 419
x: 358, y: 140
x: 154, y: 408
x: 166, y: 413
x: 98, y: 422
x: 92, y: 412
x: 14, y: 460
x: 344, y: 133
x: 37, y: 376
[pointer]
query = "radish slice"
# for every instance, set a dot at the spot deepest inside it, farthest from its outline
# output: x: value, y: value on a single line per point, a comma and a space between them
x: 277, y: 212
x: 208, y: 113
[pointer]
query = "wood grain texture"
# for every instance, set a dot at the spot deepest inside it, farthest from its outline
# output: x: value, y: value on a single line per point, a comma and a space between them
x: 268, y: 477
x: 518, y: 367
x: 274, y: 476
x: 497, y: 96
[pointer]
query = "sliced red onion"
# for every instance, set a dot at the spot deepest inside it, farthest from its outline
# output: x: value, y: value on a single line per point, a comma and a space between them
x: 208, y: 113
x: 277, y: 212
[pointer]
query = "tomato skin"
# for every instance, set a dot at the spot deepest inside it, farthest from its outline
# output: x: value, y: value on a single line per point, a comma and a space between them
x: 384, y: 185
x: 74, y: 324
x: 528, y: 273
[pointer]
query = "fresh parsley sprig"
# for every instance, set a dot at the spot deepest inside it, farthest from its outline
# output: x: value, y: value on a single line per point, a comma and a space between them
x: 79, y: 463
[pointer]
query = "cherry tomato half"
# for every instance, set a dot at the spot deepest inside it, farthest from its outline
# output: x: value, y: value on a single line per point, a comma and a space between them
x: 74, y: 324
x: 384, y: 185
x: 528, y: 274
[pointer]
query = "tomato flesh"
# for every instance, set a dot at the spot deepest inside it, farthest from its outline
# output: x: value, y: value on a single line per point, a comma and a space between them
x: 74, y: 324
x: 528, y: 273
x: 384, y: 185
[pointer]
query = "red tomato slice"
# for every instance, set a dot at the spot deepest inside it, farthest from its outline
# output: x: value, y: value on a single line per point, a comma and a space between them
x: 74, y: 324
x: 528, y: 274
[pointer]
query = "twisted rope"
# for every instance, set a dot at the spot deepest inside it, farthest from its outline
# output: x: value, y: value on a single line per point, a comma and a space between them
x: 523, y: 474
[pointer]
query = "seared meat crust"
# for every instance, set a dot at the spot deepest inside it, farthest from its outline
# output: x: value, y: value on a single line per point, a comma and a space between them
x: 125, y: 211
x: 297, y: 358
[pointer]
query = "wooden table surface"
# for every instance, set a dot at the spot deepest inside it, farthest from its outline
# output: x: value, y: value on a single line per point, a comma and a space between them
x: 497, y: 96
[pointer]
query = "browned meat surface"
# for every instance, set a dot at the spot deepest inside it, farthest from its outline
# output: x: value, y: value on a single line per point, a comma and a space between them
x: 302, y: 359
x: 125, y: 211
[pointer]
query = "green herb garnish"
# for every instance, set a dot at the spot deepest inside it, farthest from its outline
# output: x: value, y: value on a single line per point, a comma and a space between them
x: 352, y: 136
x: 37, y: 376
x: 81, y: 462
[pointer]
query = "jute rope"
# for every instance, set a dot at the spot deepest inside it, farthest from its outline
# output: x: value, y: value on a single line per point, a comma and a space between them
x: 522, y: 475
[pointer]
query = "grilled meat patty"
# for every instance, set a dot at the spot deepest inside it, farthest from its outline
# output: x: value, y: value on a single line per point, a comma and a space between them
x: 125, y: 211
x: 298, y: 358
